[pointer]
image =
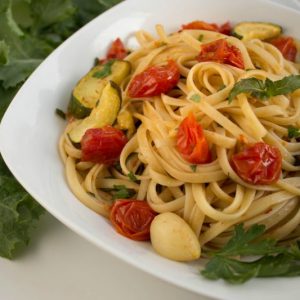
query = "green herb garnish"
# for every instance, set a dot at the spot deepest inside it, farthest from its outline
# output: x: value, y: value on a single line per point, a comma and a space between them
x: 131, y: 176
x: 193, y: 167
x: 105, y: 71
x: 200, y: 37
x: 60, y: 113
x: 293, y: 132
x: 273, y: 260
x: 196, y: 98
x: 122, y: 192
x: 265, y: 89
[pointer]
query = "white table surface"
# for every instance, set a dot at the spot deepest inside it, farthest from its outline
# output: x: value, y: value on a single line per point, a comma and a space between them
x: 60, y: 265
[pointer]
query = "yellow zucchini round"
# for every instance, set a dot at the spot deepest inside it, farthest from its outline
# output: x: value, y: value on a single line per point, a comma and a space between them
x: 256, y: 30
x: 89, y: 89
x: 104, y: 113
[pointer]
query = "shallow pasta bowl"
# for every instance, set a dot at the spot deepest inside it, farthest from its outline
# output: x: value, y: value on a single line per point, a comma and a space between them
x: 30, y: 131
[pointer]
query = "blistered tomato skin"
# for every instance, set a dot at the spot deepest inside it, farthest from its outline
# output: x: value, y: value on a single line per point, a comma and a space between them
x: 258, y: 163
x: 286, y: 45
x: 132, y: 218
x: 201, y: 25
x: 117, y: 50
x: 221, y: 52
x: 154, y: 81
x: 191, y: 142
x: 102, y: 145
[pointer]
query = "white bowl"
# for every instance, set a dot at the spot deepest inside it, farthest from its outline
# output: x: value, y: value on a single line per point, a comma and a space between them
x: 30, y: 131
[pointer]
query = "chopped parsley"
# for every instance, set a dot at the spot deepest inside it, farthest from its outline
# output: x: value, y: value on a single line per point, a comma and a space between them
x: 193, y: 167
x: 196, y: 98
x: 60, y: 113
x: 200, y: 37
x: 131, y: 176
x: 293, y: 132
x: 105, y: 71
x: 122, y: 192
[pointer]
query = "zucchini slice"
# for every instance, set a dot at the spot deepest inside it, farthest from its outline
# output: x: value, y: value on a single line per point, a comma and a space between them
x: 89, y: 89
x: 256, y: 30
x: 104, y: 113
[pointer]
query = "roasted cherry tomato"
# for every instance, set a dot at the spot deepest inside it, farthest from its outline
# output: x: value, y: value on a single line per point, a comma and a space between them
x: 286, y: 45
x: 224, y: 28
x: 116, y: 51
x: 102, y: 145
x: 222, y: 52
x: 132, y: 218
x: 191, y: 142
x: 154, y: 81
x: 258, y: 163
x: 201, y: 25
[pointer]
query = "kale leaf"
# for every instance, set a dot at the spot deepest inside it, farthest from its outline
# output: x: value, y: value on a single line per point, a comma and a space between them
x: 29, y: 31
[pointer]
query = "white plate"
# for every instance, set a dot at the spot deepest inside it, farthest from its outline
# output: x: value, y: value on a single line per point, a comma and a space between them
x: 30, y: 131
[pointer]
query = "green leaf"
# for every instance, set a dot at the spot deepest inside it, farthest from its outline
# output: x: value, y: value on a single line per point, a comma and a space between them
x: 6, y: 96
x: 105, y: 71
x: 60, y: 113
x: 273, y: 260
x: 11, y: 22
x: 293, y: 132
x: 29, y: 31
x: 245, y: 242
x: 19, y: 214
x: 235, y: 271
x: 250, y: 85
x: 200, y: 37
x: 46, y: 13
x: 131, y: 176
x: 265, y: 89
x: 122, y: 192
x: 193, y: 167
x: 284, y: 86
x: 4, y: 50
x: 17, y: 71
x: 196, y: 98
x: 231, y: 270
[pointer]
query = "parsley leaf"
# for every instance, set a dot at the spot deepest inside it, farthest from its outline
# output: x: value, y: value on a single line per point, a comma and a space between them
x: 200, y: 37
x: 273, y: 261
x: 131, y: 176
x: 196, y: 98
x: 105, y: 70
x: 60, y: 113
x: 122, y: 192
x: 265, y: 89
x: 293, y: 132
x: 193, y: 167
x: 242, y: 242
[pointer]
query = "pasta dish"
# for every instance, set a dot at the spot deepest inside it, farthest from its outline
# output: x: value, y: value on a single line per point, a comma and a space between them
x: 190, y: 134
